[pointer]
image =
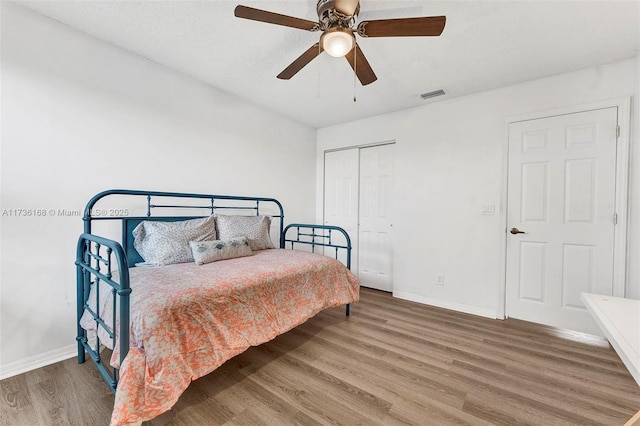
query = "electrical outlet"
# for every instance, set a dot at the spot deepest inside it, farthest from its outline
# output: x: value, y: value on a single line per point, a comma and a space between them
x: 439, y: 279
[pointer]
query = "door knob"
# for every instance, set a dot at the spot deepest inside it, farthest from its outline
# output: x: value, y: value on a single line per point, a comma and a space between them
x: 515, y: 231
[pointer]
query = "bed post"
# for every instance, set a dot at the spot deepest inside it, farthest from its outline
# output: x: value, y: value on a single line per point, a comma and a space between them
x: 348, y: 307
x: 81, y: 336
x: 82, y: 286
x: 282, y: 230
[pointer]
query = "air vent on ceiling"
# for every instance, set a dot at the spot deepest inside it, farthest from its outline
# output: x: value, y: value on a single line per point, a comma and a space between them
x: 433, y: 94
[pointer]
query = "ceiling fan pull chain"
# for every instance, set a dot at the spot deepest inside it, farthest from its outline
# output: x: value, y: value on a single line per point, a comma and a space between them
x: 355, y: 72
x: 319, y: 71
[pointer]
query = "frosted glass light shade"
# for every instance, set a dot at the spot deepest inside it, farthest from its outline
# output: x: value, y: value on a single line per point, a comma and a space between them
x: 338, y: 43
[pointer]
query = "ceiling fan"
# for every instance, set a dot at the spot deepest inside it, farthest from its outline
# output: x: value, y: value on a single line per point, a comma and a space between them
x: 337, y: 21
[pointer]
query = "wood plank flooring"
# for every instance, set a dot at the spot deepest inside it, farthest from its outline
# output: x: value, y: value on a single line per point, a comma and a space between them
x: 392, y: 362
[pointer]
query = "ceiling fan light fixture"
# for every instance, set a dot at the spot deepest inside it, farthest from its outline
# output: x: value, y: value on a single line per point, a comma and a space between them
x: 337, y: 42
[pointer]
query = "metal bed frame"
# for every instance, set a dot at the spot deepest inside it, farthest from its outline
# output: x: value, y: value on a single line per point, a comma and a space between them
x: 100, y: 259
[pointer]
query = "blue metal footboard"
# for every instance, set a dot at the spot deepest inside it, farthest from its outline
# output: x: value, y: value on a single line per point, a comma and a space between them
x: 95, y: 258
x: 107, y: 261
x: 322, y: 236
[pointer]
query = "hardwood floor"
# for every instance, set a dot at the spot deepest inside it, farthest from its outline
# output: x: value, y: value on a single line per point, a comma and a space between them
x: 392, y: 362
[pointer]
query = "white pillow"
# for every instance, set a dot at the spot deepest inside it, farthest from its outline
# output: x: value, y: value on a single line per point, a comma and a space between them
x: 212, y: 251
x: 255, y: 228
x: 166, y: 243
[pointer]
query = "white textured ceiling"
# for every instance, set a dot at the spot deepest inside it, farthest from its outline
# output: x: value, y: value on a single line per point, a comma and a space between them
x: 485, y: 44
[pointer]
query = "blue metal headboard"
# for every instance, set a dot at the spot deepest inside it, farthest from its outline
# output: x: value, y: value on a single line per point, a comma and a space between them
x: 214, y: 203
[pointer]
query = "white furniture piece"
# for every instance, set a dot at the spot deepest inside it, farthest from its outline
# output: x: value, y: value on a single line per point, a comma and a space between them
x: 619, y: 320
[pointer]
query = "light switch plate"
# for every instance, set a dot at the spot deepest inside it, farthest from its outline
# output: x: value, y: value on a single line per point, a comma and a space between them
x: 488, y: 209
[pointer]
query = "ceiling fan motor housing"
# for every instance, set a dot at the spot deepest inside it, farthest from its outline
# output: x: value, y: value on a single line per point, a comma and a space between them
x: 329, y: 17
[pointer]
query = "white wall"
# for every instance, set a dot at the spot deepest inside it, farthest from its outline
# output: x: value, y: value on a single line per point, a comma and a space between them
x: 450, y: 158
x: 80, y: 116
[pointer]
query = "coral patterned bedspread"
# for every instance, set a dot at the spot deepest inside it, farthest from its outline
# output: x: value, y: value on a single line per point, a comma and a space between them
x: 186, y: 320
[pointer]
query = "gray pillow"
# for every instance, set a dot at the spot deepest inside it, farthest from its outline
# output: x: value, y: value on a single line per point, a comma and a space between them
x: 255, y: 228
x: 166, y: 243
x: 212, y: 251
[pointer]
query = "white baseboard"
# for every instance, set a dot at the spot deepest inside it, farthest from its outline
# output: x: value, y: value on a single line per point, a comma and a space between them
x: 37, y: 361
x: 459, y: 307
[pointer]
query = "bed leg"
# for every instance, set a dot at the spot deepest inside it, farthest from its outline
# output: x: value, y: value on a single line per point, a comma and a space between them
x: 81, y: 354
x: 348, y: 309
x: 81, y: 335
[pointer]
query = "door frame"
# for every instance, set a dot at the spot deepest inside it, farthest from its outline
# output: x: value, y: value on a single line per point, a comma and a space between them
x: 620, y: 252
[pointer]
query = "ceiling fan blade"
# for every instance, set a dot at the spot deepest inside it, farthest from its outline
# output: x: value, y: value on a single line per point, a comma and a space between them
x: 361, y: 66
x: 403, y: 27
x: 274, y: 18
x: 300, y: 63
x: 346, y: 7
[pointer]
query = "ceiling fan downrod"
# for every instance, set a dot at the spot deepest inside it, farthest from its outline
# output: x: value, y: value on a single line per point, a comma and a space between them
x: 330, y: 17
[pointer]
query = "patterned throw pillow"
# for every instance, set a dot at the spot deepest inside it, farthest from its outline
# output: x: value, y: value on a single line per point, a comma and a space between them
x: 255, y: 228
x: 166, y: 243
x: 211, y: 251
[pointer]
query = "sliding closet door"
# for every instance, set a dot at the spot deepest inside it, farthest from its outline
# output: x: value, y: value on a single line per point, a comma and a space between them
x: 374, y: 254
x: 357, y: 197
x: 341, y: 195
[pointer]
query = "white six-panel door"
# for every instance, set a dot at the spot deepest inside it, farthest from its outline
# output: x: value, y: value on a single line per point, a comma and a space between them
x: 561, y: 196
